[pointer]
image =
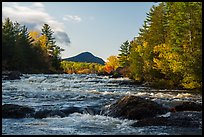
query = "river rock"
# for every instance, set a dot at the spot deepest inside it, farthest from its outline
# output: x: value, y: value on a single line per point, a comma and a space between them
x: 16, y: 111
x: 187, y: 106
x: 48, y: 113
x: 11, y: 75
x: 178, y: 119
x: 133, y: 107
x: 92, y: 110
x: 70, y: 110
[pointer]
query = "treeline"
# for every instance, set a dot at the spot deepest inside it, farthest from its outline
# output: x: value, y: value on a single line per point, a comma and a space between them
x: 29, y: 52
x: 168, y: 51
x: 81, y: 67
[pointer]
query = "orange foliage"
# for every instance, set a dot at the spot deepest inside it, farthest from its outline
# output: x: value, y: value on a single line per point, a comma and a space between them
x: 108, y: 69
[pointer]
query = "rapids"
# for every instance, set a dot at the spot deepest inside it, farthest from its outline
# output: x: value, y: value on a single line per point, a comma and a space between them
x: 58, y: 91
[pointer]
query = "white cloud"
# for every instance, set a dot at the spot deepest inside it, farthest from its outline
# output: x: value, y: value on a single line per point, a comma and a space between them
x: 72, y: 18
x: 32, y: 17
x: 38, y: 5
x: 9, y: 3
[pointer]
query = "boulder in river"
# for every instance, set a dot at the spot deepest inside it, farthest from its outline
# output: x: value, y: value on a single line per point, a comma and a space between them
x: 187, y: 106
x: 48, y: 113
x: 11, y: 75
x: 178, y: 119
x: 70, y: 110
x: 133, y: 107
x: 92, y: 110
x: 16, y: 111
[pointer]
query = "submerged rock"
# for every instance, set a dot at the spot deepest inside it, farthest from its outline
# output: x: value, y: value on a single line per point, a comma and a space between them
x: 48, y: 113
x: 70, y: 110
x: 178, y: 119
x: 92, y: 110
x: 187, y: 106
x: 11, y: 75
x: 66, y: 111
x: 16, y: 111
x: 133, y: 107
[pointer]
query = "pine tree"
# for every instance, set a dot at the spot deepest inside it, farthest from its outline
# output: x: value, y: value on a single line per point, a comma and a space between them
x: 168, y: 49
x: 124, y: 55
x: 50, y: 44
x: 52, y: 49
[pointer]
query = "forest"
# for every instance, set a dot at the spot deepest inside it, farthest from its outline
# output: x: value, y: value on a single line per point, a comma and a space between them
x: 167, y: 52
x: 29, y: 52
x: 70, y: 67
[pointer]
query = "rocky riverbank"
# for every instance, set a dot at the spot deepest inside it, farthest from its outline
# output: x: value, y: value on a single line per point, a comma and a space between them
x: 149, y: 113
x: 11, y: 75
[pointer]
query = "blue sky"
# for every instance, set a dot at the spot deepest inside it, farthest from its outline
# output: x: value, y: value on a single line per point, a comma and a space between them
x: 97, y: 27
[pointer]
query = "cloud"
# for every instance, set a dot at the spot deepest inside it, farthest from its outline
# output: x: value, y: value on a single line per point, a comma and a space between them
x: 34, y: 18
x: 62, y: 37
x: 72, y: 18
x: 38, y: 5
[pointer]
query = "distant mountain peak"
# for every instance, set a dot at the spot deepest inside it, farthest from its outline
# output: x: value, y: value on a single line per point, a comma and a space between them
x: 86, y: 53
x: 86, y: 57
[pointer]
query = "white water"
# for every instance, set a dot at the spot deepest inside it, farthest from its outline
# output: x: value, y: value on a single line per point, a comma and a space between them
x: 63, y: 90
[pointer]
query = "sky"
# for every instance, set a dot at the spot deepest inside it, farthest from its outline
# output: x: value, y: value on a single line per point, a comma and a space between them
x: 96, y: 27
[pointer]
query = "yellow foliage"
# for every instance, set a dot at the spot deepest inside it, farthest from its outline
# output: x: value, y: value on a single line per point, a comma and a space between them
x: 145, y: 44
x: 112, y: 62
x: 189, y: 82
x: 163, y: 48
x: 167, y: 59
x: 34, y: 35
x: 40, y: 39
x: 43, y: 40
x: 191, y: 85
x: 158, y: 63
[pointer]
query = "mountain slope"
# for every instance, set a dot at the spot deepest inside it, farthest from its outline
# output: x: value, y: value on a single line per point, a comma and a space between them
x: 86, y: 57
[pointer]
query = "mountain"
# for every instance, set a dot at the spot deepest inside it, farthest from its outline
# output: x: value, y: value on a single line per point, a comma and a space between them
x: 86, y: 57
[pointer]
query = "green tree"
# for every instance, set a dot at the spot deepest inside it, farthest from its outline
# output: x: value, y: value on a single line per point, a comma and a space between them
x: 185, y: 25
x: 8, y: 40
x: 26, y: 52
x: 136, y: 63
x: 16, y: 45
x: 168, y: 48
x: 124, y: 54
x: 50, y: 43
x: 153, y: 33
x: 52, y: 49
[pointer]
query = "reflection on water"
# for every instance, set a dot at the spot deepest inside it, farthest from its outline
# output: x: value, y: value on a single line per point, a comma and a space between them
x: 63, y: 90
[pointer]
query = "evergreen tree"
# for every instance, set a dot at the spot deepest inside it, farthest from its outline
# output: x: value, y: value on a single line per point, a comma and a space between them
x: 50, y: 43
x: 136, y: 63
x: 124, y: 55
x: 27, y: 52
x: 52, y: 49
x: 168, y: 50
x: 8, y: 40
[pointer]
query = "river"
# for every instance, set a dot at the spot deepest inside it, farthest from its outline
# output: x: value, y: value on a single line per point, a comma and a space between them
x: 57, y: 91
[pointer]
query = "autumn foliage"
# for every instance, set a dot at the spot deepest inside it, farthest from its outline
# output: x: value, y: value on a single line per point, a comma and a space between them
x: 167, y: 53
x: 111, y: 64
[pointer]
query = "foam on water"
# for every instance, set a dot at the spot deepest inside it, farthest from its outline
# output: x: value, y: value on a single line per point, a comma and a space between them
x: 54, y: 91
